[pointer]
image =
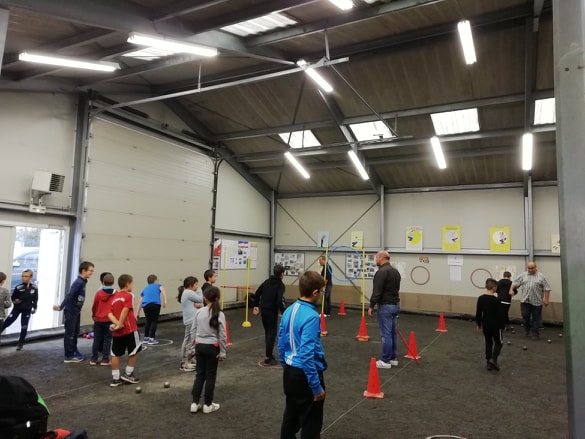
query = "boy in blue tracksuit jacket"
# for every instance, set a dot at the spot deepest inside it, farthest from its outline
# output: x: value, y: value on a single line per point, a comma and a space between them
x: 303, y: 360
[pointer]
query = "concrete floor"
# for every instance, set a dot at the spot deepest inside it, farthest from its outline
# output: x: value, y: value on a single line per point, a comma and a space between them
x: 449, y: 393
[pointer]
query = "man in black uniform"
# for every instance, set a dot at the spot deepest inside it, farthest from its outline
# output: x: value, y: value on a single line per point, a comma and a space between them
x: 24, y: 297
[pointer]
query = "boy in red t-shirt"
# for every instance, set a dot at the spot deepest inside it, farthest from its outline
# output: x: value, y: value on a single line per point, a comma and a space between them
x: 125, y: 332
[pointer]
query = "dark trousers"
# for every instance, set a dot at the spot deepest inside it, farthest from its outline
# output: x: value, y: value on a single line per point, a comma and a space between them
x: 24, y: 314
x: 151, y: 313
x: 270, y: 323
x: 506, y: 311
x: 71, y: 322
x: 205, y: 372
x: 493, y: 343
x: 327, y: 299
x: 300, y: 412
x: 532, y: 317
x: 102, y: 340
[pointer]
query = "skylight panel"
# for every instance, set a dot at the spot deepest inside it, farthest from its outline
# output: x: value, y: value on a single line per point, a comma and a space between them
x: 455, y: 122
x: 371, y: 131
x: 149, y: 53
x: 544, y: 111
x: 261, y: 24
x: 300, y: 139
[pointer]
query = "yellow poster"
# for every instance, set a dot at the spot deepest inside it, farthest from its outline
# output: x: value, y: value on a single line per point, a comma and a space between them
x: 414, y: 238
x: 357, y: 239
x: 451, y: 238
x: 500, y: 239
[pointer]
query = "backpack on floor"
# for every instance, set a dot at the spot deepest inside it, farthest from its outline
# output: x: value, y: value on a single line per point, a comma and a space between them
x: 23, y: 413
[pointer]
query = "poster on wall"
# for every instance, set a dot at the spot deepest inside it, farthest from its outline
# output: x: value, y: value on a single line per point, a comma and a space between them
x: 500, y: 239
x: 322, y: 239
x: 451, y: 238
x: 293, y: 263
x: 501, y: 268
x: 414, y: 238
x: 357, y: 239
x: 354, y: 262
x: 234, y: 255
x: 555, y: 243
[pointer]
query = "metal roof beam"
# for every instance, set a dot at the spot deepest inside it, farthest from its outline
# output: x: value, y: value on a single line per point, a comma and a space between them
x: 182, y: 8
x: 476, y: 103
x: 396, y: 143
x: 347, y: 17
x: 125, y: 16
x: 4, y: 16
x: 337, y: 117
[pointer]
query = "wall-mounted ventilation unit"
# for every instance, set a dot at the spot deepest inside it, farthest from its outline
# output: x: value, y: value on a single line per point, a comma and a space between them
x: 44, y: 183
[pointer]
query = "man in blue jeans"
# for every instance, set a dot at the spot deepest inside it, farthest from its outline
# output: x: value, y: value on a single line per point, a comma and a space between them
x: 71, y: 307
x: 386, y: 296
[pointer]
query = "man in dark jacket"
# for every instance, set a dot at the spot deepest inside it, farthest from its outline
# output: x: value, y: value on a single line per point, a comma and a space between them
x: 269, y: 298
x: 24, y: 297
x: 385, y: 296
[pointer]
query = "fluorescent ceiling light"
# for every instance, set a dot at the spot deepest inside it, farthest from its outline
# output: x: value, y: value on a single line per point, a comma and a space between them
x: 544, y: 111
x: 358, y: 165
x: 455, y: 122
x: 342, y: 4
x: 291, y: 158
x: 300, y: 139
x: 258, y: 25
x: 439, y: 157
x: 466, y: 39
x: 75, y: 63
x: 371, y: 131
x: 315, y: 76
x: 170, y: 45
x: 527, y: 152
x: 149, y: 53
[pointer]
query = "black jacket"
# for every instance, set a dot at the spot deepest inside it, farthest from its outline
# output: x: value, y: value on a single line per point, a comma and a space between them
x: 28, y: 294
x: 270, y: 295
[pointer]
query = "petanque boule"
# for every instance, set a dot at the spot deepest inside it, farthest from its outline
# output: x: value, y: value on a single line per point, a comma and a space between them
x: 549, y: 341
x: 508, y: 342
x: 138, y: 389
x: 560, y: 335
x: 167, y: 385
x: 524, y: 348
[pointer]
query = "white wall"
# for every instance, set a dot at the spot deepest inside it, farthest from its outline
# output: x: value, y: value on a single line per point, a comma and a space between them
x: 38, y: 131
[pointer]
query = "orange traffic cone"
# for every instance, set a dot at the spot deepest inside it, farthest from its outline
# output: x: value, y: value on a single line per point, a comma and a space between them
x: 341, y: 308
x: 442, y: 327
x: 412, y: 352
x: 373, y: 390
x: 227, y: 334
x: 323, y: 326
x: 363, y: 333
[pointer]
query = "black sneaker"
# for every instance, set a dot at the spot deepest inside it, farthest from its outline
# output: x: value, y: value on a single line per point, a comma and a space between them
x: 270, y: 362
x: 130, y: 378
x: 19, y: 347
x: 116, y: 383
x: 493, y: 364
x: 489, y: 366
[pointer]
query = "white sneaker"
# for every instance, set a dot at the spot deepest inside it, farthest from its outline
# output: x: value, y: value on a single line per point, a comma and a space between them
x: 210, y: 408
x: 383, y: 365
x: 394, y: 362
x: 195, y: 407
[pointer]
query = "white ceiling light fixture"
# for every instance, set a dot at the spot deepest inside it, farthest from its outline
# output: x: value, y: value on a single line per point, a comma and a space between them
x: 358, y: 165
x: 438, y: 151
x: 63, y: 61
x: 165, y: 43
x: 371, y: 131
x: 315, y: 76
x: 466, y: 38
x: 292, y: 159
x: 527, y: 142
x: 544, y: 111
x: 456, y: 122
x: 344, y: 5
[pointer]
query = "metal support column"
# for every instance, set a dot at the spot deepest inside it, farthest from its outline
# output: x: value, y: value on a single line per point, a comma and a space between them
x: 528, y: 221
x: 382, y: 218
x: 78, y: 193
x: 272, y: 230
x: 569, y: 43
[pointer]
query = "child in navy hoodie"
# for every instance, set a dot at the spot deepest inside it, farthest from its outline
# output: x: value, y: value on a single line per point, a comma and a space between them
x: 102, y: 336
